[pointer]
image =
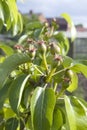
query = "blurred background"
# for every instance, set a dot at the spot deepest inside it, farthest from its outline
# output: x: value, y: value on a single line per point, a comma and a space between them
x: 45, y: 11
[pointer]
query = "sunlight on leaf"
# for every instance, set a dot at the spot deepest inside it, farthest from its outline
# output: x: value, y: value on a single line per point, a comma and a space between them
x: 71, y: 25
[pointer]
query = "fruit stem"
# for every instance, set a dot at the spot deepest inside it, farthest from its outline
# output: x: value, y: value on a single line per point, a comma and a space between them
x: 55, y: 87
x: 50, y: 75
x: 61, y: 71
x: 45, y: 62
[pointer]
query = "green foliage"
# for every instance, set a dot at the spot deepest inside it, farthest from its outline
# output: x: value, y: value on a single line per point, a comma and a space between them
x: 71, y: 25
x: 10, y: 17
x: 76, y: 113
x: 42, y: 107
x: 35, y: 77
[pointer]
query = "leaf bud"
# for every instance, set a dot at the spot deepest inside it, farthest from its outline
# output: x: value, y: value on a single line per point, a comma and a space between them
x: 66, y: 82
x: 42, y: 46
x: 29, y: 40
x: 19, y: 48
x: 32, y: 53
x: 57, y: 60
x: 67, y: 78
x: 54, y: 48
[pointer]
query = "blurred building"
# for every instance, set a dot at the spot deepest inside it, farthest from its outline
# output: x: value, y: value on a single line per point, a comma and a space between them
x: 61, y: 22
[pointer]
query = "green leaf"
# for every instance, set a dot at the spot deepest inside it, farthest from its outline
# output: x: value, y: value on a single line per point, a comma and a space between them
x: 22, y: 39
x: 83, y: 102
x: 6, y: 11
x: 70, y: 114
x: 80, y: 113
x: 71, y: 24
x: 27, y: 96
x: 74, y: 82
x: 1, y: 12
x: 20, y: 22
x: 8, y: 50
x: 80, y: 68
x: 2, y: 59
x: 2, y: 120
x: 76, y: 113
x: 10, y: 64
x: 11, y: 124
x: 8, y: 112
x: 13, y: 10
x: 12, y: 16
x: 16, y: 91
x: 1, y: 24
x: 15, y: 28
x: 59, y: 76
x: 57, y: 120
x: 37, y: 33
x: 42, y: 107
x: 4, y: 93
x: 67, y: 61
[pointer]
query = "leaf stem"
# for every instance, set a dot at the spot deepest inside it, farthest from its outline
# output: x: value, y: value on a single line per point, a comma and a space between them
x: 61, y: 71
x: 38, y: 69
x: 50, y: 75
x: 55, y: 87
x: 45, y: 62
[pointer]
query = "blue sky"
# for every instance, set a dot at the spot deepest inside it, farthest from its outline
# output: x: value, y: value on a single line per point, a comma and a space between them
x: 77, y: 9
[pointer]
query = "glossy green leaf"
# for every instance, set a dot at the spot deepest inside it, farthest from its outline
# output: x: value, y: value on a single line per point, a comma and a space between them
x: 10, y: 64
x: 42, y: 106
x: 16, y: 91
x: 8, y: 50
x: 8, y: 112
x: 2, y: 58
x: 23, y: 39
x: 77, y: 104
x: 83, y: 102
x: 76, y: 113
x: 1, y: 11
x: 57, y: 119
x: 11, y: 124
x: 80, y: 113
x: 15, y: 28
x: 80, y: 68
x: 10, y: 16
x: 67, y: 61
x: 59, y: 76
x: 4, y: 93
x: 6, y: 11
x: 37, y: 33
x: 70, y: 114
x: 20, y: 24
x: 29, y: 124
x: 27, y: 96
x: 74, y: 82
x: 71, y: 24
x: 13, y: 9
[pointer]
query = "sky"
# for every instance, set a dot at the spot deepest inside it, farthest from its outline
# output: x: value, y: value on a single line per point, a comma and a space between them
x: 77, y: 9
